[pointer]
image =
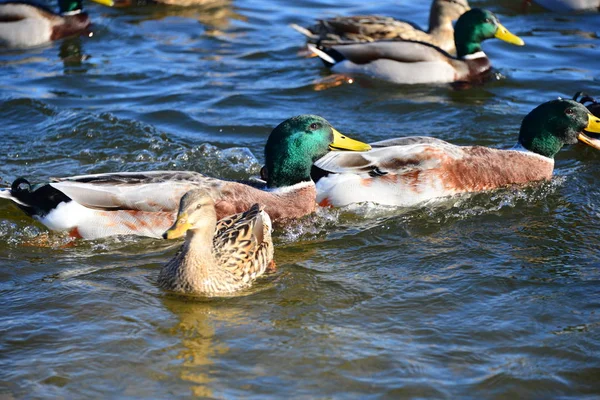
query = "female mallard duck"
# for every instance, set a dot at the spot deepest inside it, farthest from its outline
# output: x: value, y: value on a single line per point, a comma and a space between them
x: 145, y: 203
x: 370, y: 28
x: 414, y: 62
x: 411, y: 170
x: 25, y: 24
x: 216, y: 258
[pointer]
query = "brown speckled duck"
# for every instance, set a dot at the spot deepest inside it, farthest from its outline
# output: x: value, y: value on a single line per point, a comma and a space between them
x: 370, y: 28
x: 217, y: 258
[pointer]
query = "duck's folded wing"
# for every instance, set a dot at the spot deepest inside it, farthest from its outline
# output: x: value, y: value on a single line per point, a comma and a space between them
x: 143, y: 191
x: 240, y: 243
x: 407, y: 140
x: 401, y: 51
x: 370, y: 26
x: 388, y: 160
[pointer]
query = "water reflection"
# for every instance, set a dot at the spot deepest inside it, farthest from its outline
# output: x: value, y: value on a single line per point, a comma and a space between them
x: 71, y: 53
x: 215, y: 14
x: 198, y: 319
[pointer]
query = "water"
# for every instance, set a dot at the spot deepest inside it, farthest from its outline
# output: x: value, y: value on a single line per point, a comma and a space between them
x: 488, y: 296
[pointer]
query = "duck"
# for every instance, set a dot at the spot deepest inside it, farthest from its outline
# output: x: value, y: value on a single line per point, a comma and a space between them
x: 145, y: 203
x: 371, y: 28
x: 24, y: 24
x: 410, y: 62
x: 409, y: 171
x: 217, y: 258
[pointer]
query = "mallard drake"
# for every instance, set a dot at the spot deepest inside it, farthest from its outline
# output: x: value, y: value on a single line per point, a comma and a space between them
x: 25, y: 24
x: 411, y: 170
x: 414, y: 62
x: 216, y: 258
x: 145, y: 203
x: 370, y: 28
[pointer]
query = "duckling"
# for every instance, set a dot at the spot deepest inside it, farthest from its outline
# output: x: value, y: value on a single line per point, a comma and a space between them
x: 217, y: 258
x: 25, y: 24
x: 370, y: 28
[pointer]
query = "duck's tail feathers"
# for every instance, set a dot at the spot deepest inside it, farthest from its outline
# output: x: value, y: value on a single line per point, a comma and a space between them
x: 38, y: 200
x: 329, y: 56
x: 10, y: 194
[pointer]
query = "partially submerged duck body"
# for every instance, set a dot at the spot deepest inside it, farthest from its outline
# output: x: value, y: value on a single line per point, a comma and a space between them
x: 370, y: 28
x: 24, y: 24
x: 217, y: 258
x: 591, y: 103
x: 412, y: 170
x: 410, y: 62
x: 145, y: 203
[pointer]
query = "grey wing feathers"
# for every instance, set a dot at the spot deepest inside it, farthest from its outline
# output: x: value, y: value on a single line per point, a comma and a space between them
x: 402, y: 51
x: 403, y: 141
x: 133, y: 178
x: 144, y: 191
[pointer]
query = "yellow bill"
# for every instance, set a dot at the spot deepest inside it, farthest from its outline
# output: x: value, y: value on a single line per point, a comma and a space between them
x: 504, y: 34
x: 179, y: 228
x: 342, y: 142
x: 108, y: 3
x: 593, y: 126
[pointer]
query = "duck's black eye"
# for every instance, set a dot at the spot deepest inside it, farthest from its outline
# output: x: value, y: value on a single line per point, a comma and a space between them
x: 314, y: 126
x: 569, y: 111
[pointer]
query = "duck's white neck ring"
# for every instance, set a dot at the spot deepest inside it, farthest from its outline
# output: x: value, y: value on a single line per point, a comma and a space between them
x: 479, y: 54
x: 74, y: 12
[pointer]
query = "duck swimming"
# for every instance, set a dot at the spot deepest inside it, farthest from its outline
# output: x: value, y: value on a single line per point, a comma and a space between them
x: 411, y: 170
x: 370, y: 28
x: 216, y: 258
x: 146, y: 203
x: 24, y: 24
x: 411, y: 62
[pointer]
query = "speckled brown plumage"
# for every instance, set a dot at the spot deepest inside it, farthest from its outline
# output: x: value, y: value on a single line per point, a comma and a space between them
x: 221, y: 259
x: 369, y: 28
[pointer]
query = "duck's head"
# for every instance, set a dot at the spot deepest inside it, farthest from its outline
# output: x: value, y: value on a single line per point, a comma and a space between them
x: 550, y: 126
x: 73, y: 7
x: 295, y: 144
x: 447, y: 9
x: 477, y: 25
x: 196, y: 208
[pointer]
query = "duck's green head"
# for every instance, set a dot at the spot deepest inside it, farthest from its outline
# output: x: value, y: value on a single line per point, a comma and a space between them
x: 296, y: 143
x: 550, y: 126
x: 74, y: 6
x: 477, y: 25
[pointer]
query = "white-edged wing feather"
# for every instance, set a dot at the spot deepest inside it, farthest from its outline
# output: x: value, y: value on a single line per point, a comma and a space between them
x: 147, y: 191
